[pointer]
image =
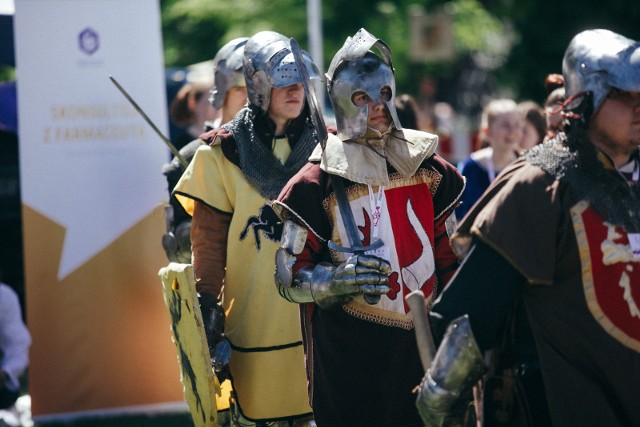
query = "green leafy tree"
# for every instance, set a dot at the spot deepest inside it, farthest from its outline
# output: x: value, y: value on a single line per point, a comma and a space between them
x: 546, y: 27
x: 516, y: 43
x: 194, y: 30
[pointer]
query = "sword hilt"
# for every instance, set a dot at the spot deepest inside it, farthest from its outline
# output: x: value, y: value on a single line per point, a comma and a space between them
x: 369, y: 298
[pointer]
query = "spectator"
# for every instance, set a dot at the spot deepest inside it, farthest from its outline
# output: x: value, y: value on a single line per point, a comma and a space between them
x: 407, y: 110
x: 501, y: 129
x: 190, y: 110
x: 535, y: 125
x: 553, y: 111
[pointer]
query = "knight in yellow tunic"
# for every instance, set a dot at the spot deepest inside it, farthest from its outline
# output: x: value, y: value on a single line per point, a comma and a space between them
x: 227, y: 189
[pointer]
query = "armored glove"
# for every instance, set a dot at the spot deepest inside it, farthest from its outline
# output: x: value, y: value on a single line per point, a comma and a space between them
x: 326, y: 284
x: 176, y: 241
x: 456, y: 366
x: 219, y: 348
x: 359, y: 274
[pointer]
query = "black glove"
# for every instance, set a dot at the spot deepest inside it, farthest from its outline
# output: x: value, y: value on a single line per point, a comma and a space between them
x: 219, y: 348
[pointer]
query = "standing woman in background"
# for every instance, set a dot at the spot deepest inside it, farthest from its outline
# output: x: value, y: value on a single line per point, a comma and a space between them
x: 534, y: 126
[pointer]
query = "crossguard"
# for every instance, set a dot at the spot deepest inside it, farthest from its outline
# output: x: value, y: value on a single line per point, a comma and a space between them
x: 356, y: 249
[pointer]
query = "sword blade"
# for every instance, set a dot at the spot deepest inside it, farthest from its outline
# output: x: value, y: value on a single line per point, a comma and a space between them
x: 310, y: 94
x: 166, y: 140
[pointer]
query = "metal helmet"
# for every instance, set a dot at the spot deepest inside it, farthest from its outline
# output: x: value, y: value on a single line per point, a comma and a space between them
x: 268, y: 63
x: 597, y: 61
x: 227, y: 70
x: 356, y: 68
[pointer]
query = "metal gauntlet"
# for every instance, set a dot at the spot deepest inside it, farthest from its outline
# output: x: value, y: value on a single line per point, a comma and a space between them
x: 456, y: 367
x: 326, y: 284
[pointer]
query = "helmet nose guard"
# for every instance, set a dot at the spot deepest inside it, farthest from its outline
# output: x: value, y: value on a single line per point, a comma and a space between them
x: 597, y: 61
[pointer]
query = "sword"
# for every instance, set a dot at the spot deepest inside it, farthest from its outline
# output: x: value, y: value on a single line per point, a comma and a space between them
x: 310, y: 94
x: 424, y: 338
x: 166, y: 140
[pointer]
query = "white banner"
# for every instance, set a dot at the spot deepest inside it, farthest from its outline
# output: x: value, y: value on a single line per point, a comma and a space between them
x: 87, y: 159
x: 92, y: 193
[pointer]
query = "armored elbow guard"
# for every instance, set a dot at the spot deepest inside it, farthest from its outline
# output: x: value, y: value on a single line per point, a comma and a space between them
x: 456, y: 366
x: 292, y: 243
x: 294, y: 289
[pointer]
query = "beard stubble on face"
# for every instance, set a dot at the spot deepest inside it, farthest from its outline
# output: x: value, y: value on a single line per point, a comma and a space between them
x: 614, y: 146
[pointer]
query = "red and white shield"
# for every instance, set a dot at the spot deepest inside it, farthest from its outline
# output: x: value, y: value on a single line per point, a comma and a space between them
x: 610, y: 275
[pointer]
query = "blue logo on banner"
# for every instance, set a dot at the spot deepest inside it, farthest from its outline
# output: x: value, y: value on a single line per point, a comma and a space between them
x: 88, y: 41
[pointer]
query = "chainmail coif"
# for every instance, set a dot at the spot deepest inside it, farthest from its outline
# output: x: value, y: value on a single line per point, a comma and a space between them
x: 263, y: 170
x: 574, y: 160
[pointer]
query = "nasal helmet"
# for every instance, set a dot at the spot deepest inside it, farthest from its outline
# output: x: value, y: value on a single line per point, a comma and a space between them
x: 595, y: 62
x: 268, y: 63
x: 227, y: 70
x: 356, y: 68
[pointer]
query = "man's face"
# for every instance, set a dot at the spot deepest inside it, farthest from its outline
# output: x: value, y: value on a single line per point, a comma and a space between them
x: 378, y: 116
x: 615, y: 128
x: 286, y: 103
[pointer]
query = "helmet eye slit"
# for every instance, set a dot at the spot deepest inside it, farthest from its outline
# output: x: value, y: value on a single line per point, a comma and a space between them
x: 385, y: 94
x: 360, y: 98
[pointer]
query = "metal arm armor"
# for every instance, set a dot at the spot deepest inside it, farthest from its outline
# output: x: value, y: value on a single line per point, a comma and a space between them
x: 326, y: 284
x: 310, y: 284
x: 456, y: 366
x: 292, y: 243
